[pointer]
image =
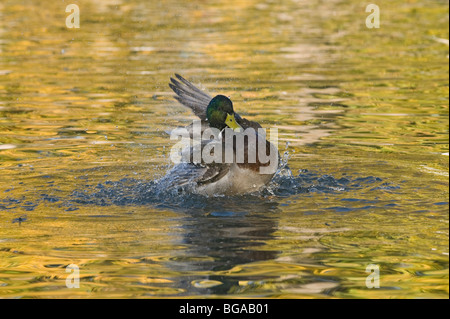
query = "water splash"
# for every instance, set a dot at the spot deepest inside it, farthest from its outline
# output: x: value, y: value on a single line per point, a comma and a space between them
x: 161, y: 193
x: 166, y: 193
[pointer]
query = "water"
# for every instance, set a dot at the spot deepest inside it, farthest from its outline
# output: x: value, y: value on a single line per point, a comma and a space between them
x: 362, y: 115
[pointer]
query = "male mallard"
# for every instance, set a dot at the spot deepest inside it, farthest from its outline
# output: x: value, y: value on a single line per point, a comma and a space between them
x: 221, y: 177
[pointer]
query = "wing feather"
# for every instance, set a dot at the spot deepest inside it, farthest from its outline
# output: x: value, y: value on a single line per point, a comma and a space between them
x: 189, y: 95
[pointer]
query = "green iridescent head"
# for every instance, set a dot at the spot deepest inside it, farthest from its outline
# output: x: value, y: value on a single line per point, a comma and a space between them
x: 220, y: 113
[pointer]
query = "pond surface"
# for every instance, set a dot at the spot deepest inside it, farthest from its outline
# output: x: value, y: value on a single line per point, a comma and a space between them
x: 362, y: 116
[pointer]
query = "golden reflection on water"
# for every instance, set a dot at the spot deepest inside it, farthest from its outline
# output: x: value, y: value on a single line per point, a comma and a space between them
x: 81, y: 109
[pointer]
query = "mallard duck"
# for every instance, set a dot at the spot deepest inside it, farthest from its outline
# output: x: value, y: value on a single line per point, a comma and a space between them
x: 221, y: 177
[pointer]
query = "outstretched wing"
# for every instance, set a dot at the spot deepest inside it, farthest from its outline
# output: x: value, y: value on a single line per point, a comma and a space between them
x: 190, y: 96
x: 197, y: 100
x: 193, y: 174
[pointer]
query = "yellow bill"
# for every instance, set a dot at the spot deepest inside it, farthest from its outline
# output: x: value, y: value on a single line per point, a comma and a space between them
x: 231, y: 122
